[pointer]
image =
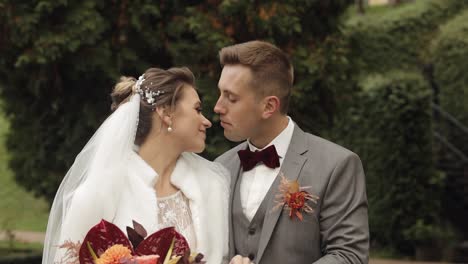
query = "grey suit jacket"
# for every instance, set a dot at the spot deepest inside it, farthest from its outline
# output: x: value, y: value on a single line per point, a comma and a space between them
x: 337, y: 231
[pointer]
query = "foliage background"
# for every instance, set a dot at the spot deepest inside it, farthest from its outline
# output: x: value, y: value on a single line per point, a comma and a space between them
x: 406, y: 58
x: 365, y: 81
x: 61, y: 59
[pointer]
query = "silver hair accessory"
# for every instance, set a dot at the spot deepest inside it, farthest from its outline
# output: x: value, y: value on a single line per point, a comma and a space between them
x: 147, y: 95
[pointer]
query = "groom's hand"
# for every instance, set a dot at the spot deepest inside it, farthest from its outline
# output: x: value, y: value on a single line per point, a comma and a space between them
x: 240, y: 260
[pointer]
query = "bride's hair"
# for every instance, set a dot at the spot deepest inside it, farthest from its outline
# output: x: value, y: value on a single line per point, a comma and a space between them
x: 169, y: 83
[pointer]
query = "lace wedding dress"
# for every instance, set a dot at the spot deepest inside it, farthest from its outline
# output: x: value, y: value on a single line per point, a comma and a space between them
x: 174, y: 210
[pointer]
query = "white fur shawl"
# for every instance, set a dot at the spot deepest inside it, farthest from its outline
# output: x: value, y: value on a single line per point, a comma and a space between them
x: 204, y: 183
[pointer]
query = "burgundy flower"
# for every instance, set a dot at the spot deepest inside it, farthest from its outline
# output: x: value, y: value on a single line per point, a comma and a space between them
x: 104, y: 235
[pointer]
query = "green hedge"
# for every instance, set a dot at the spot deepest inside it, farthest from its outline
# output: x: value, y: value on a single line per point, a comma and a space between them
x: 390, y: 128
x: 398, y: 37
x: 449, y: 57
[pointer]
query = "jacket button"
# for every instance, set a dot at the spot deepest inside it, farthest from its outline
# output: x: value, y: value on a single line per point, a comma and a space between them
x: 251, y: 231
x: 251, y: 256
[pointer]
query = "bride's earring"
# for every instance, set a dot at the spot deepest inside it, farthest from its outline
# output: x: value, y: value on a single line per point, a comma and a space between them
x: 169, y: 128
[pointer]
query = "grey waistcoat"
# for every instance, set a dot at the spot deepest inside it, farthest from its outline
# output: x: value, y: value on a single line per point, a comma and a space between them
x: 246, y: 233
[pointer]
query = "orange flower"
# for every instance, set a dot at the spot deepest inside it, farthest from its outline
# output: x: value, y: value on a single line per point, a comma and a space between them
x: 294, y: 198
x: 114, y: 254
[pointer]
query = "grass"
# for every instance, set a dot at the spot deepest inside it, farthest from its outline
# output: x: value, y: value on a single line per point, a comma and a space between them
x: 18, y: 247
x: 384, y: 253
x: 19, y: 210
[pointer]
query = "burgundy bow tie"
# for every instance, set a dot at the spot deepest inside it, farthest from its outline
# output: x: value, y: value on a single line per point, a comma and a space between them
x: 268, y: 156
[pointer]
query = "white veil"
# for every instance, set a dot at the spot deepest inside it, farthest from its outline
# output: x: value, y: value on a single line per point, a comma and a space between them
x: 93, y: 180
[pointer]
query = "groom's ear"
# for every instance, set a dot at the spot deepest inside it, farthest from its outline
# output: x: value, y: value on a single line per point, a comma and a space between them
x: 271, y: 104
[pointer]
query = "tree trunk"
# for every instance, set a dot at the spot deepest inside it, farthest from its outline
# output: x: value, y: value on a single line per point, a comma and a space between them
x: 360, y: 6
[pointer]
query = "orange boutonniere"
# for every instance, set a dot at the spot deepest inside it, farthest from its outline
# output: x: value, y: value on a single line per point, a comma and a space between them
x: 294, y: 198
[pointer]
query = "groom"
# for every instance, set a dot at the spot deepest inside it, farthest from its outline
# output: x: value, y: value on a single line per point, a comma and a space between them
x: 255, y: 89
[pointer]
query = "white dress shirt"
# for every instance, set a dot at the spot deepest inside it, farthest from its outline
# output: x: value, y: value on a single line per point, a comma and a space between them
x: 256, y: 182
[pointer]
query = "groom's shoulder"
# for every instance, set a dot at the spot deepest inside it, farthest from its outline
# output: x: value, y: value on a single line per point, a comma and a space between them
x: 318, y: 145
x: 228, y: 155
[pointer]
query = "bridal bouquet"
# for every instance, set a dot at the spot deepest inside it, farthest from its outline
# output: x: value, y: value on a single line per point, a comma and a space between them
x: 105, y: 243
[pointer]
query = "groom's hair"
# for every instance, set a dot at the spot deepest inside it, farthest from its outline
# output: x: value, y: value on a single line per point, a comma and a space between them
x: 272, y: 71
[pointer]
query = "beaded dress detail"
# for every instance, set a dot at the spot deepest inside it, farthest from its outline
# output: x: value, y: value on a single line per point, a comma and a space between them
x: 174, y: 210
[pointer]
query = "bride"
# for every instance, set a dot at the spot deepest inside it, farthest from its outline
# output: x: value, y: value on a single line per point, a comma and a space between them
x: 140, y: 165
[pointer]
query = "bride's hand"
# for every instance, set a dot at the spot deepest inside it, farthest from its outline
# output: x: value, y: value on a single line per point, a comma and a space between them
x: 238, y: 259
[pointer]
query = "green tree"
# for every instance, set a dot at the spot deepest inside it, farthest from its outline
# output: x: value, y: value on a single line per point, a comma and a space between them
x: 449, y: 51
x: 59, y: 60
x: 391, y: 124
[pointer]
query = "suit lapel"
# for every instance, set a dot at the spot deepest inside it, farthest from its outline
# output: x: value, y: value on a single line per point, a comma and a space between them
x: 291, y: 168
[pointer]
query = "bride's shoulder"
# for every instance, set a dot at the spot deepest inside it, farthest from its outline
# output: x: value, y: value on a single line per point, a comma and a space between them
x: 213, y: 171
x: 201, y: 162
